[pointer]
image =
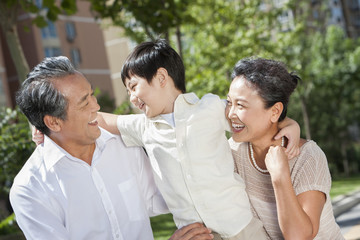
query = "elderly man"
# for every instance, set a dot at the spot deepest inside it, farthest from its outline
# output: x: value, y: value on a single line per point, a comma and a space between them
x: 82, y: 182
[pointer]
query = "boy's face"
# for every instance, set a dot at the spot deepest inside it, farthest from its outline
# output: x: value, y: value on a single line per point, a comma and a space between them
x: 149, y: 98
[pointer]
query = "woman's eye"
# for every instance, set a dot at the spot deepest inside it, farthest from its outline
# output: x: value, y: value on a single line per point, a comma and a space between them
x: 239, y: 105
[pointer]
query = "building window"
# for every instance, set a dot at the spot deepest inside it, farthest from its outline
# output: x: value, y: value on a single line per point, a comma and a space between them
x: 75, y: 57
x: 52, y: 51
x: 49, y: 31
x: 70, y: 31
x: 38, y: 3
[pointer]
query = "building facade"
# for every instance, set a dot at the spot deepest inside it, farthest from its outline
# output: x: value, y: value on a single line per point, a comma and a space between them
x: 96, y: 51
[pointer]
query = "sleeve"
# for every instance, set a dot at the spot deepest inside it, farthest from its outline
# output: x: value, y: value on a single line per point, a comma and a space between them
x: 311, y: 171
x: 154, y: 201
x: 131, y: 128
x: 226, y: 123
x: 219, y: 106
x: 35, y: 215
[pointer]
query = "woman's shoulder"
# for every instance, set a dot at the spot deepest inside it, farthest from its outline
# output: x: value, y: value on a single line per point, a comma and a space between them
x: 310, y: 155
x: 310, y: 147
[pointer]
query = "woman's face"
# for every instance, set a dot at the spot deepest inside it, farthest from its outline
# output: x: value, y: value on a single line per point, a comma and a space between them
x: 245, y: 111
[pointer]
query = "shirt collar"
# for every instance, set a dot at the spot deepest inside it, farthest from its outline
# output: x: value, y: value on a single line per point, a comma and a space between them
x: 190, y: 98
x: 53, y: 153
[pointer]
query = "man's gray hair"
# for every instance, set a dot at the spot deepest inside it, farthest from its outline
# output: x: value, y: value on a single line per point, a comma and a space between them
x: 39, y: 97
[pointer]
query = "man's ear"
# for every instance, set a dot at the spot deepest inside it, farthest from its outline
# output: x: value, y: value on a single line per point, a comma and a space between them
x: 162, y: 76
x: 276, y: 111
x: 53, y: 123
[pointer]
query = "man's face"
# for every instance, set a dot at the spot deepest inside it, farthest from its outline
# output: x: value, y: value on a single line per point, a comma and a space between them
x: 81, y: 127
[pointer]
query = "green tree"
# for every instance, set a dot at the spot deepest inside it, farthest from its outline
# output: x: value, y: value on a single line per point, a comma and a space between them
x: 145, y: 19
x: 327, y: 98
x: 9, y: 11
x: 15, y: 144
x: 225, y: 32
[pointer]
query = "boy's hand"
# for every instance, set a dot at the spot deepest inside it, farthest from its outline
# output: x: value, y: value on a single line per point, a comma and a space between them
x: 290, y: 129
x: 37, y: 136
x: 194, y: 231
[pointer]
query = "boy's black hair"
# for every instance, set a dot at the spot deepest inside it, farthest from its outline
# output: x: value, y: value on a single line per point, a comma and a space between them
x: 148, y: 57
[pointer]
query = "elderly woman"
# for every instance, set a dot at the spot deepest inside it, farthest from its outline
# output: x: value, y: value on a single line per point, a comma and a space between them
x: 290, y: 196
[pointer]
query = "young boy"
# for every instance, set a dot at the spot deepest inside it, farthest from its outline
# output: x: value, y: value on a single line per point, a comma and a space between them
x: 185, y: 139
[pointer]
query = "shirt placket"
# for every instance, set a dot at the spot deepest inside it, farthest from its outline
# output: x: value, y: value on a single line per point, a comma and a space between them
x: 109, y: 208
x: 184, y: 158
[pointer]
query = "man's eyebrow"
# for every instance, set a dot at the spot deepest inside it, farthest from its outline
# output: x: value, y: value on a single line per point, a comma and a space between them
x: 85, y: 97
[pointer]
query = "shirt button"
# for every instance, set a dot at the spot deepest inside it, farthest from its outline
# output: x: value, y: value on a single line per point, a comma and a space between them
x: 110, y: 212
x: 117, y: 235
x: 188, y: 176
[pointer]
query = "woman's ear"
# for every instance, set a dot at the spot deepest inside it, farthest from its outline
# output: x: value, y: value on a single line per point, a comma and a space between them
x: 162, y: 76
x: 53, y: 123
x: 276, y: 111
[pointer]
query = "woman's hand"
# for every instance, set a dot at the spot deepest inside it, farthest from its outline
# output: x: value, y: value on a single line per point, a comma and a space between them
x: 37, y: 136
x: 194, y: 231
x: 276, y: 162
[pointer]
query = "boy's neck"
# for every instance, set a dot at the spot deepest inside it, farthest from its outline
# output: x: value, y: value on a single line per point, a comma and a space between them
x: 172, y: 96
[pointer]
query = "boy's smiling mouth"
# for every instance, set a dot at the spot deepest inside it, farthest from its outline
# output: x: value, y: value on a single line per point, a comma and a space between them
x: 141, y: 105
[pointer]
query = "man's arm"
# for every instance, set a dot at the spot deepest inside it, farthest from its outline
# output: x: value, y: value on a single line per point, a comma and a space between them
x: 35, y: 216
x: 108, y: 122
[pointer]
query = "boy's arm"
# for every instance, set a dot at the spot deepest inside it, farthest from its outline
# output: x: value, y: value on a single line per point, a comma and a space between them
x: 291, y: 130
x: 108, y: 122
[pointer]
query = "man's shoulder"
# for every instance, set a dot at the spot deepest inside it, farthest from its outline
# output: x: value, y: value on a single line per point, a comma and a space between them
x: 32, y: 169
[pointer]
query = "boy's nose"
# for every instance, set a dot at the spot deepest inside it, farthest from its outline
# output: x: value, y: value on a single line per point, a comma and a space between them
x: 133, y: 99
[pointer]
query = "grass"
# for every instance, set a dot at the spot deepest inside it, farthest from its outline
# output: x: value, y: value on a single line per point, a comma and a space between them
x: 341, y: 186
x: 163, y: 225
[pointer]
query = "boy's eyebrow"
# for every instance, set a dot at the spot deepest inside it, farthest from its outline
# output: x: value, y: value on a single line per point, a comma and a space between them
x: 128, y: 83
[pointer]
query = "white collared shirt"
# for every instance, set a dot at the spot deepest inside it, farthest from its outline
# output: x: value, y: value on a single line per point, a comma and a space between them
x: 192, y: 163
x: 58, y: 196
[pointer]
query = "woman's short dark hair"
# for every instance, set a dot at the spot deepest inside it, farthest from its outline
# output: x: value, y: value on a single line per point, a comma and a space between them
x: 148, y: 57
x: 39, y: 97
x: 270, y: 78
